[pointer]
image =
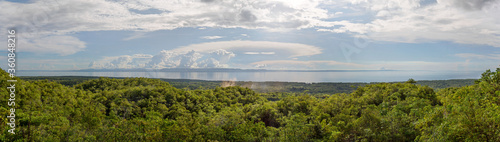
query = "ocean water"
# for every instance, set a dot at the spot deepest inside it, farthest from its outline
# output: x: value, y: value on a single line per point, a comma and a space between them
x: 282, y: 76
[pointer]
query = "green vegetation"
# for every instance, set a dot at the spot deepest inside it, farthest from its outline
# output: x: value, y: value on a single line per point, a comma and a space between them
x: 141, y: 109
x: 325, y: 88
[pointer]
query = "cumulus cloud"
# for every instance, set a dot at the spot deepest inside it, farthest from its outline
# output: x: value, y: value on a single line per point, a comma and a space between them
x: 257, y: 53
x: 222, y: 55
x: 189, y: 59
x: 136, y: 35
x: 167, y: 59
x: 264, y: 47
x: 217, y: 59
x: 95, y: 65
x: 55, y: 44
x: 260, y: 66
x: 122, y: 62
x: 268, y: 53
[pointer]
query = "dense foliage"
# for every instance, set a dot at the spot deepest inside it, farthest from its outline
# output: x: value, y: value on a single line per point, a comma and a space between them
x: 141, y: 109
x: 263, y: 87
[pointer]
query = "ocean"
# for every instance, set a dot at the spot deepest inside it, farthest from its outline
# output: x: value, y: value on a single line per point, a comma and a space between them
x: 281, y: 76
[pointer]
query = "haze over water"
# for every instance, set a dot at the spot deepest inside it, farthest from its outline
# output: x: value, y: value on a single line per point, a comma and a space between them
x: 281, y: 76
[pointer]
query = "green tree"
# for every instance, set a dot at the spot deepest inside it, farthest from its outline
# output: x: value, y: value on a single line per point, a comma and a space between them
x: 411, y: 81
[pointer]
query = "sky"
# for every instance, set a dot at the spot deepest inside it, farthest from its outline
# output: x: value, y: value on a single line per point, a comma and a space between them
x: 435, y: 35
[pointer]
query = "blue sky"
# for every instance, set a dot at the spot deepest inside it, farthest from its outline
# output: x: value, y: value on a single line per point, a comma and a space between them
x: 444, y: 35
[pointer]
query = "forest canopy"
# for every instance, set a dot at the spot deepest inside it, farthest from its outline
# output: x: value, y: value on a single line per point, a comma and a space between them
x: 142, y: 109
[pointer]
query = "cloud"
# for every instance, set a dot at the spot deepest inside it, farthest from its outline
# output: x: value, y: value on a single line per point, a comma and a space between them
x: 479, y: 56
x: 268, y: 53
x: 192, y: 59
x: 58, y: 44
x: 252, y: 53
x: 188, y: 60
x: 136, y: 35
x: 265, y: 47
x: 28, y: 63
x: 257, y: 53
x: 211, y: 37
x: 122, y: 62
x: 63, y: 18
x: 167, y: 59
x: 459, y: 21
x: 247, y: 16
x: 222, y: 55
x: 312, y: 65
x: 470, y: 4
x: 98, y: 15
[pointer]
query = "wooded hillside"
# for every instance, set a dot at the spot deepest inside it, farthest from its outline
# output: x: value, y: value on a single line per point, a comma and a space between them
x: 141, y: 109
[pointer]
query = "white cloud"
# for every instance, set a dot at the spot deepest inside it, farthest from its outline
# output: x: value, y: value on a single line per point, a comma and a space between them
x: 58, y: 44
x: 394, y: 65
x: 217, y: 59
x: 222, y: 55
x: 467, y: 22
x: 312, y: 65
x: 95, y: 65
x: 260, y: 66
x: 211, y: 37
x: 257, y: 53
x: 192, y: 59
x: 212, y: 63
x: 479, y: 56
x: 48, y: 18
x: 167, y: 59
x: 268, y: 53
x: 266, y: 47
x: 122, y: 62
x: 251, y: 53
x: 188, y: 60
x: 432, y: 66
